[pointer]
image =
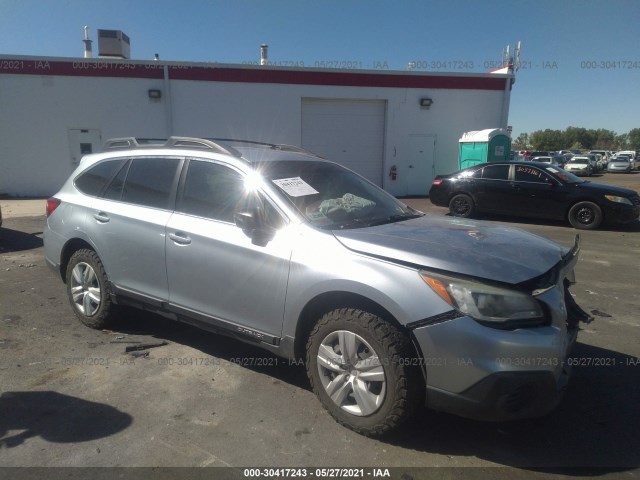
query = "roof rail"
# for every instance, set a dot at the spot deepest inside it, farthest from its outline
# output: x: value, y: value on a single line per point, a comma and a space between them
x: 171, y: 142
x: 272, y: 146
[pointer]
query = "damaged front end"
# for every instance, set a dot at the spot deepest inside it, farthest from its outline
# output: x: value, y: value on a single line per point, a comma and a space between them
x: 562, y: 273
x: 506, y: 372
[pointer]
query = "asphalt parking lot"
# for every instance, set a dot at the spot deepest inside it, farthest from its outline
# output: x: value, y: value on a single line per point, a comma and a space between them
x: 72, y: 396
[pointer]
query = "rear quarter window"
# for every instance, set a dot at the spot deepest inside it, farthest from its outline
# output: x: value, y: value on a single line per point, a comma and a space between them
x: 93, y: 180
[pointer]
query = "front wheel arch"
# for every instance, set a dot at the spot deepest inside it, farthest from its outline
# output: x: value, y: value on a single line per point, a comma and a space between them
x: 327, y: 302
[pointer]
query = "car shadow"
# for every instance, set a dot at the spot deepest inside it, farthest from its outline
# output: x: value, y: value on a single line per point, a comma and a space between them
x: 18, y: 240
x: 137, y: 322
x: 595, y: 426
x: 56, y: 418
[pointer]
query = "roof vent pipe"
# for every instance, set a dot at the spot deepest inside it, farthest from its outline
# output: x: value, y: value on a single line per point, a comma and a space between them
x: 87, y: 43
x: 263, y: 54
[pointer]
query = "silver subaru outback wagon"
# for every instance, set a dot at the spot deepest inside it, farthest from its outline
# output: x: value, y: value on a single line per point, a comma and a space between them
x: 389, y: 308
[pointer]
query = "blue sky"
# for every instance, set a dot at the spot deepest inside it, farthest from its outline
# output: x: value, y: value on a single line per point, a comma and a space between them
x: 580, y: 59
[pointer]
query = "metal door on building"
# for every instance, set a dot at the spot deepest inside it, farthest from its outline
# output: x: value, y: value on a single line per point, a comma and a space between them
x: 348, y: 132
x: 83, y: 141
x: 420, y: 164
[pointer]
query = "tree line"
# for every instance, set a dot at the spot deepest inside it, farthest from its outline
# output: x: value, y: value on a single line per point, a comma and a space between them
x: 576, y: 138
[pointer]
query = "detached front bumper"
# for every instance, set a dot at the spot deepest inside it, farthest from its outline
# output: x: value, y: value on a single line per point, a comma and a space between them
x: 489, y: 374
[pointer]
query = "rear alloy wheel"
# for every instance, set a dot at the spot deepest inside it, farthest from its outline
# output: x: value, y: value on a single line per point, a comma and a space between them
x: 585, y: 216
x: 87, y: 289
x: 359, y: 367
x: 461, y: 205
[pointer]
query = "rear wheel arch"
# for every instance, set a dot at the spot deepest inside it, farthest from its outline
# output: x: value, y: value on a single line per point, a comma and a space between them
x: 71, y: 247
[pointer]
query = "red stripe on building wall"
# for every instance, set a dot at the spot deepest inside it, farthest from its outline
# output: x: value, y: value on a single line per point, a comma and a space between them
x: 125, y: 69
x: 337, y: 78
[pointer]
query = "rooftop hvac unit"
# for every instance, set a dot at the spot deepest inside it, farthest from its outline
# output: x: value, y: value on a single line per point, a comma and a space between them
x: 113, y: 43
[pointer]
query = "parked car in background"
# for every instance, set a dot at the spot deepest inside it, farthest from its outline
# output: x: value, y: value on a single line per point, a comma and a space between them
x: 560, y: 160
x: 579, y: 165
x: 537, y: 153
x: 531, y: 189
x: 620, y: 164
x: 275, y: 246
x: 593, y: 161
x: 557, y: 161
x: 632, y: 157
x: 604, y: 153
x: 601, y: 161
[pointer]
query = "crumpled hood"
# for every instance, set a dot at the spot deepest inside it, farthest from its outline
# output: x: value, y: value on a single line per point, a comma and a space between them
x: 479, y: 249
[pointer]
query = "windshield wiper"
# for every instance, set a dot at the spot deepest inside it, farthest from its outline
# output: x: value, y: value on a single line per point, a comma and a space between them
x: 394, y: 218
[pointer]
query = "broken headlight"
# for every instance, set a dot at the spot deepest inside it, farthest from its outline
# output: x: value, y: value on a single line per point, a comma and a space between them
x: 496, y: 306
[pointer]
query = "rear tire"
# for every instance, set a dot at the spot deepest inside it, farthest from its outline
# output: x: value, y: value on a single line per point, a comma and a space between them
x: 364, y: 371
x: 88, y: 289
x: 461, y: 205
x: 585, y: 216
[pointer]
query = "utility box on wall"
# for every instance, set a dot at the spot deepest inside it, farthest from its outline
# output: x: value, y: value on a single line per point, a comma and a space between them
x: 490, y: 145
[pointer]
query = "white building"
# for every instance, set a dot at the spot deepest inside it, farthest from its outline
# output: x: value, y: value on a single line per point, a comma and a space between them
x: 53, y: 110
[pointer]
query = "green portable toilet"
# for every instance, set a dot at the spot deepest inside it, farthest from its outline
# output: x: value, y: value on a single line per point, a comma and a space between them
x: 490, y: 145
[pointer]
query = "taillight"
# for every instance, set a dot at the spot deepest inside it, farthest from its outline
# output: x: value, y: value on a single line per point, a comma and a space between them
x: 52, y: 204
x: 436, y: 182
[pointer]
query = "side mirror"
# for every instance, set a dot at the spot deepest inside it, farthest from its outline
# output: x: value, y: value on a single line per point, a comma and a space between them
x: 251, y: 223
x: 246, y: 220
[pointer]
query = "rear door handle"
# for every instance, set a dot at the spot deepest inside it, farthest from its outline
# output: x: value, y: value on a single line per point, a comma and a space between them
x: 101, y: 217
x: 180, y: 238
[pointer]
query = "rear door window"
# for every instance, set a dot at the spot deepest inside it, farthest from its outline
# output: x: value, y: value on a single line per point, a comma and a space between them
x: 531, y: 175
x: 151, y: 181
x: 496, y: 172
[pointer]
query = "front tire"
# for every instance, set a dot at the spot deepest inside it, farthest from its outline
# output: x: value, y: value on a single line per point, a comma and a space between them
x: 364, y: 371
x: 461, y: 205
x: 88, y: 290
x: 585, y: 216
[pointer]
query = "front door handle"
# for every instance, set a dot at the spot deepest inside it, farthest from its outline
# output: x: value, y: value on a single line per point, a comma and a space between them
x: 180, y: 238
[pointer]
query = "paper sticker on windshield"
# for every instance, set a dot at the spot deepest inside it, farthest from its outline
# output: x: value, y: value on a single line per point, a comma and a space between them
x: 553, y: 170
x: 295, y: 187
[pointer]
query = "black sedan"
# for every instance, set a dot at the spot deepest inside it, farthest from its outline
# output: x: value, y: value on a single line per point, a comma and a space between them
x: 536, y: 190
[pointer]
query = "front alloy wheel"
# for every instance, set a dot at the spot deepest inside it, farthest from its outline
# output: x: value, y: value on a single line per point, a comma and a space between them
x: 351, y: 373
x: 363, y: 369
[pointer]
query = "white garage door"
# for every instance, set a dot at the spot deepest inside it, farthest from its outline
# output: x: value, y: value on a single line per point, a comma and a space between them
x: 348, y: 132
